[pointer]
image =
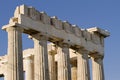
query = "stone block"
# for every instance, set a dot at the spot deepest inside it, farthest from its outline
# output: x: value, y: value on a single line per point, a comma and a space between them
x: 76, y: 30
x: 67, y: 27
x: 23, y: 9
x: 44, y: 18
x: 86, y: 35
x: 95, y: 38
x: 56, y: 23
x: 34, y: 14
x: 102, y: 32
x: 37, y: 15
x: 102, y: 40
x: 83, y: 33
x: 17, y: 11
x: 52, y: 47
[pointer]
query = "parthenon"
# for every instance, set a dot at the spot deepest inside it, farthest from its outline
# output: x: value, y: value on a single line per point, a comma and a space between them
x: 65, y: 57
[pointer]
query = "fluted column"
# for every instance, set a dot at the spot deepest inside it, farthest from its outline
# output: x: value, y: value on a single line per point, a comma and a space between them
x: 64, y: 70
x: 29, y: 68
x: 74, y: 70
x: 5, y: 74
x: 51, y: 62
x: 5, y: 77
x: 41, y: 71
x: 5, y: 71
x: 82, y: 65
x: 15, y: 58
x: 97, y: 68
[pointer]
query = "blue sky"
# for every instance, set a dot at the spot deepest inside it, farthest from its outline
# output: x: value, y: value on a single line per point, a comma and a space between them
x: 85, y: 13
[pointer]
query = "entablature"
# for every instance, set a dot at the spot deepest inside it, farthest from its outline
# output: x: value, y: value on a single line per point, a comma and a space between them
x: 34, y: 22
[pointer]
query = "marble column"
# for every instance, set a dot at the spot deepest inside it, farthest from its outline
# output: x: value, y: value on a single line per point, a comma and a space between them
x: 83, y: 72
x: 5, y: 76
x: 74, y: 70
x: 64, y: 69
x: 97, y: 68
x: 41, y: 70
x: 15, y: 58
x: 5, y: 73
x: 29, y: 68
x: 51, y: 62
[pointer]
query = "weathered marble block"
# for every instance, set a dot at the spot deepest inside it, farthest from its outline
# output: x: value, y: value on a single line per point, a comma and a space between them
x: 76, y: 30
x: 86, y: 35
x: 34, y: 14
x: 44, y: 18
x: 67, y: 27
x: 23, y: 9
x: 56, y: 23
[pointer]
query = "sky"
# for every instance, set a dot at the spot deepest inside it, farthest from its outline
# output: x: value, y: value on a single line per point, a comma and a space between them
x: 104, y: 14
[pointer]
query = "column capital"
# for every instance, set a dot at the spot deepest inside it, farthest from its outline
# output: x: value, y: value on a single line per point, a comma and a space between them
x: 62, y: 44
x: 97, y: 57
x: 14, y: 28
x: 28, y: 57
x: 82, y: 51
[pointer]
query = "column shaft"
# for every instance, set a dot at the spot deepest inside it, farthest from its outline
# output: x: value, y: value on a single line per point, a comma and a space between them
x: 15, y: 59
x: 41, y: 59
x: 64, y: 70
x: 29, y: 68
x: 74, y: 70
x: 97, y: 67
x: 51, y: 62
x: 5, y: 76
x: 5, y: 72
x: 82, y: 66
